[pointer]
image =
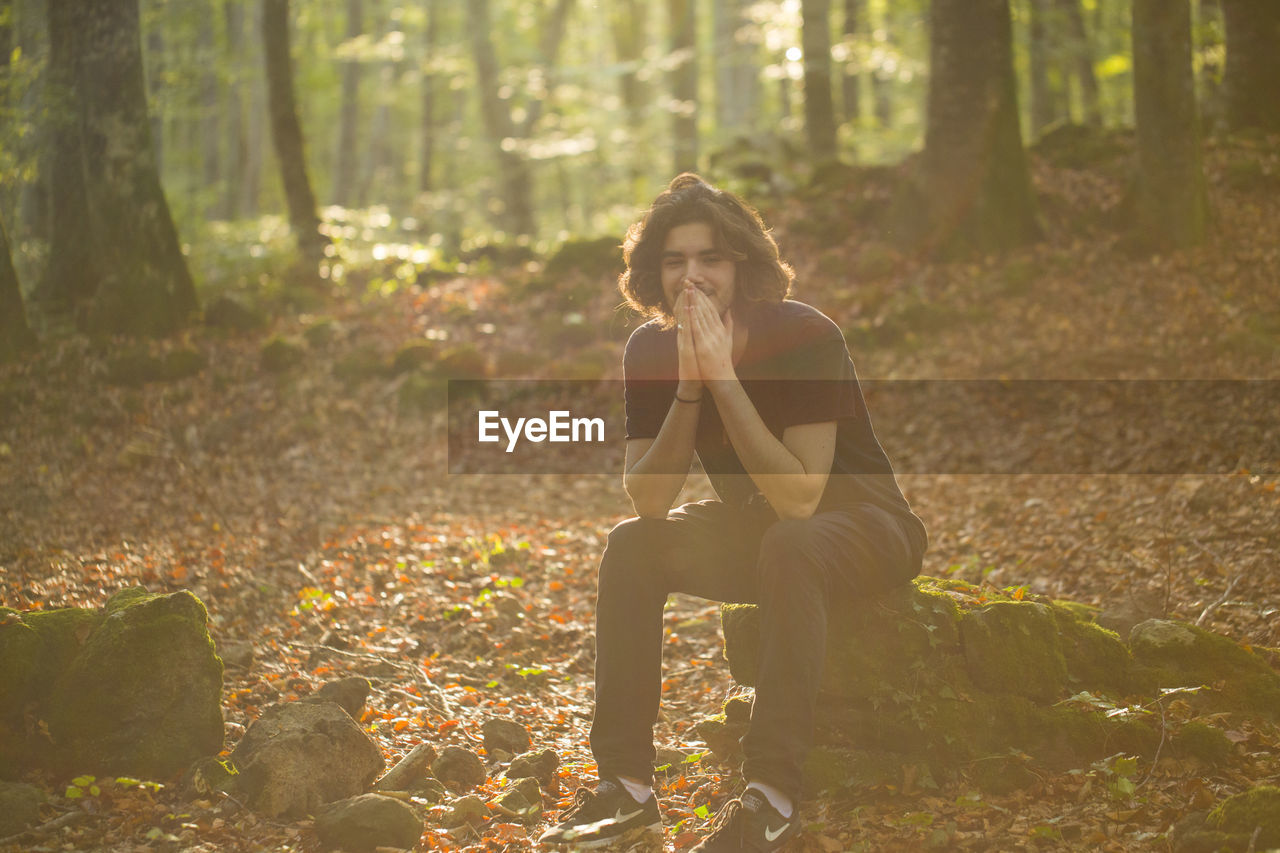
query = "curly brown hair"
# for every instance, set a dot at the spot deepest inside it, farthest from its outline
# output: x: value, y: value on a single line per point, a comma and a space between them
x: 738, y: 231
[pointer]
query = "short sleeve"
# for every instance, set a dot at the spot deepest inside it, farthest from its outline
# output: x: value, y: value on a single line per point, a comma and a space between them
x: 647, y: 389
x: 822, y: 385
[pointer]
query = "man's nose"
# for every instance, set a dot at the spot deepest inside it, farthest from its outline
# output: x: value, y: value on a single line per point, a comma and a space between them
x: 693, y: 272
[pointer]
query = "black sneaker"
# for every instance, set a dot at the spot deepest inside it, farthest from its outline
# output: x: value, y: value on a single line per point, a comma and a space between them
x: 750, y: 823
x: 602, y: 816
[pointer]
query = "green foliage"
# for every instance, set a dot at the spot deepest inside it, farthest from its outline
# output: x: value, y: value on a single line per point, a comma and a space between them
x: 279, y: 354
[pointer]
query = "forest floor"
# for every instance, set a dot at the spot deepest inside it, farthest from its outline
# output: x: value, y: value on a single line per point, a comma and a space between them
x: 309, y: 509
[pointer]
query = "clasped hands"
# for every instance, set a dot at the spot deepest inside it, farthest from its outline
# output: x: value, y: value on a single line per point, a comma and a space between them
x: 704, y: 341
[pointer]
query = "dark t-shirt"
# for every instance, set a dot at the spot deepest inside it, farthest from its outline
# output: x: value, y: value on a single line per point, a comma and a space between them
x: 796, y: 370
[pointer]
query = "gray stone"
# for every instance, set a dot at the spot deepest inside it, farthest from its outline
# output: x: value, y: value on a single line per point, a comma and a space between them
x: 459, y: 768
x: 348, y: 693
x: 410, y: 771
x: 134, y: 689
x: 506, y: 735
x: 540, y: 764
x: 469, y: 810
x: 364, y: 823
x: 19, y: 807
x: 520, y: 799
x: 301, y: 755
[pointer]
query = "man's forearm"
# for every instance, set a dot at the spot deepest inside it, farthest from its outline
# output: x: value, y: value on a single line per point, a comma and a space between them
x: 792, y: 491
x: 654, y: 481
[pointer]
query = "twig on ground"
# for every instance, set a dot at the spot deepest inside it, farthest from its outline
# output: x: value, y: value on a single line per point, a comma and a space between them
x: 1226, y: 593
x: 417, y: 672
x: 49, y: 826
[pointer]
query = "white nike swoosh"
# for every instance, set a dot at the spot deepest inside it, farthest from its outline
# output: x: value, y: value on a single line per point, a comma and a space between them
x: 620, y: 817
x: 772, y: 834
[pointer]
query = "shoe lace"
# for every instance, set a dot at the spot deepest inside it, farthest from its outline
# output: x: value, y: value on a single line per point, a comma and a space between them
x: 723, y: 825
x: 582, y: 799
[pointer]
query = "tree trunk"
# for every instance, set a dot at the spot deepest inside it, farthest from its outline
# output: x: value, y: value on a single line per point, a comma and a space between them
x: 256, y: 130
x: 1172, y: 207
x: 1041, y: 106
x: 682, y: 21
x: 851, y: 79
x: 517, y: 181
x: 819, y: 113
x: 736, y: 80
x: 344, y: 178
x: 1081, y: 51
x: 287, y: 132
x: 144, y: 287
x: 71, y: 277
x: 1252, y: 74
x: 629, y: 38
x: 30, y: 36
x: 426, y: 184
x: 237, y: 148
x: 211, y: 111
x: 15, y: 334
x: 977, y: 181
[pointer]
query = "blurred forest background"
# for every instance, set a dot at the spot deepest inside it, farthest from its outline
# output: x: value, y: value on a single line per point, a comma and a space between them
x: 426, y: 131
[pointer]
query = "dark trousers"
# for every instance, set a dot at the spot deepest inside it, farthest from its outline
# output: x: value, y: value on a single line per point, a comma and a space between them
x: 793, y: 569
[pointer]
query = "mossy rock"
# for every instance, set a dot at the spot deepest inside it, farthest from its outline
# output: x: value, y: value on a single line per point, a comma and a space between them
x: 1176, y: 654
x: 363, y: 363
x: 1257, y: 810
x: 1203, y: 742
x: 420, y: 354
x: 421, y: 393
x: 463, y: 361
x: 320, y: 332
x: 226, y: 312
x: 596, y: 257
x: 143, y: 695
x: 132, y: 689
x: 943, y: 677
x: 280, y: 354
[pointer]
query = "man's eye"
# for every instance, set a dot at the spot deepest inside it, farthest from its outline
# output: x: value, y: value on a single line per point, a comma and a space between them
x: 672, y: 263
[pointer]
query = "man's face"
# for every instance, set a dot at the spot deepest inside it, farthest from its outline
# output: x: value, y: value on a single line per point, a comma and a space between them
x: 689, y: 254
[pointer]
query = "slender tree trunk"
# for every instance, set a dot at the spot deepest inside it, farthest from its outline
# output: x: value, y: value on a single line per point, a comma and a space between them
x: 344, y: 178
x: 736, y: 75
x: 628, y: 28
x: 426, y: 184
x: 819, y: 113
x: 34, y: 206
x: 237, y: 149
x: 682, y: 20
x: 155, y: 68
x: 851, y: 79
x: 1172, y: 207
x: 256, y: 128
x: 517, y: 181
x: 1041, y: 106
x: 71, y: 277
x: 211, y: 113
x: 15, y: 334
x: 287, y: 132
x: 145, y: 287
x: 882, y: 89
x: 977, y: 181
x: 1252, y: 74
x: 1081, y: 52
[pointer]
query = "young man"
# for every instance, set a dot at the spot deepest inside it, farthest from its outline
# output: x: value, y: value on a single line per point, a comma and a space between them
x: 809, y: 514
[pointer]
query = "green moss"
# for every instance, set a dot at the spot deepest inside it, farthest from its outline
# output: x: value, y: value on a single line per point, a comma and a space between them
x: 1180, y: 655
x: 597, y: 257
x: 1096, y: 658
x: 1002, y: 774
x: 464, y: 361
x: 279, y: 354
x: 143, y: 695
x: 361, y: 364
x: 320, y: 332
x: 1014, y: 647
x: 1205, y: 742
x: 834, y: 769
x: 414, y: 355
x: 1256, y: 810
x: 182, y: 363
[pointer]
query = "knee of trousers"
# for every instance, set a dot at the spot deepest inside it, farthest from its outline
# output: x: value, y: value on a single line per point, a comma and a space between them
x: 788, y: 553
x: 632, y: 548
